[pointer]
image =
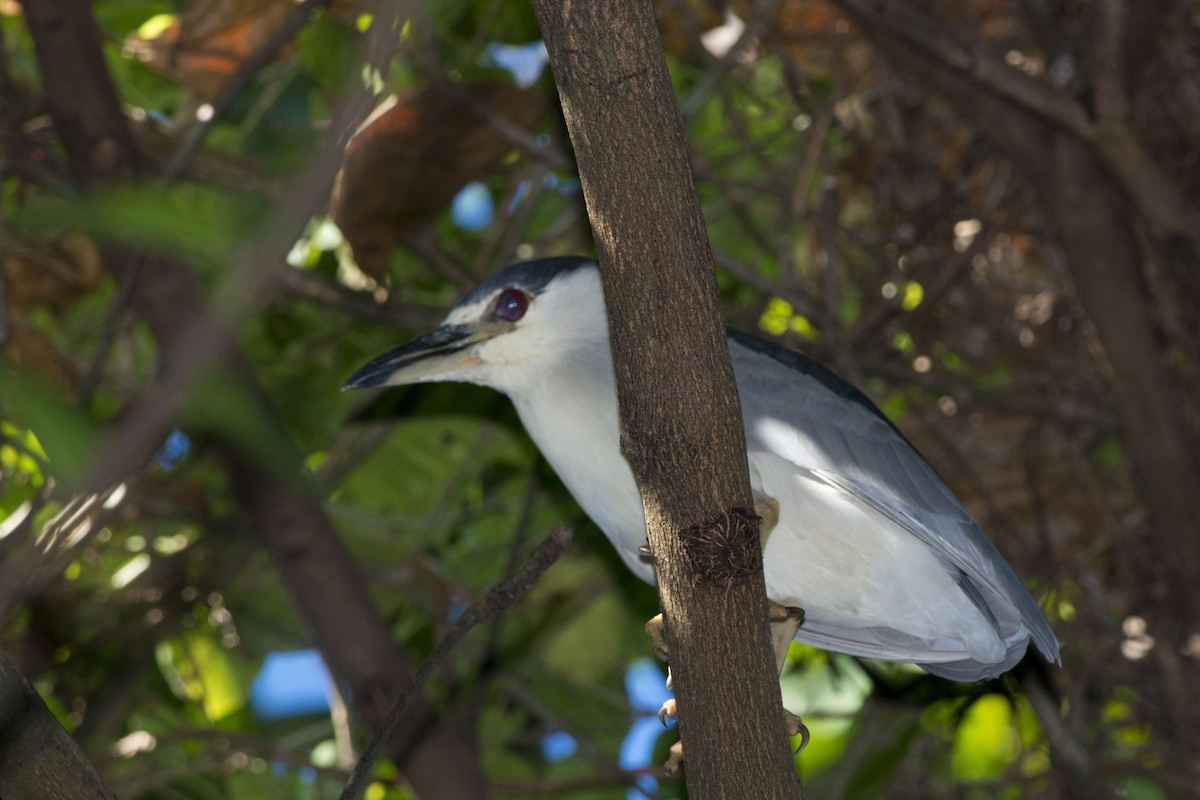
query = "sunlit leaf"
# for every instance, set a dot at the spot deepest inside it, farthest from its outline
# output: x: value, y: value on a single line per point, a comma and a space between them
x: 155, y: 26
x: 986, y: 742
x: 69, y: 438
x: 198, y: 669
x: 912, y: 296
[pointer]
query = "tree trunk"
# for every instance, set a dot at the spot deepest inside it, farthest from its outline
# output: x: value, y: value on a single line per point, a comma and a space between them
x: 680, y: 417
x: 39, y: 759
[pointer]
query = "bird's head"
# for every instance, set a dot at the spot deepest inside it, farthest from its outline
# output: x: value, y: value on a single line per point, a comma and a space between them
x: 506, y: 332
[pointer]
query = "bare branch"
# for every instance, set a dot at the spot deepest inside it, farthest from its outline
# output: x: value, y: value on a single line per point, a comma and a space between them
x: 357, y: 304
x: 499, y: 599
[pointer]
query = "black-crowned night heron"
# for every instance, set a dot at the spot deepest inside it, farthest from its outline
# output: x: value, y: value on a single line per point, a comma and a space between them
x: 869, y: 542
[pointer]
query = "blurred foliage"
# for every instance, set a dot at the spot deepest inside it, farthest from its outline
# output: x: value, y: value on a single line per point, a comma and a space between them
x: 852, y: 215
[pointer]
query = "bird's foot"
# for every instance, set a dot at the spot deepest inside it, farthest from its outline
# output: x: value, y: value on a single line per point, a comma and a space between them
x: 658, y: 637
x: 785, y: 621
x: 669, y: 710
x: 674, y: 760
x: 796, y: 727
x: 782, y: 613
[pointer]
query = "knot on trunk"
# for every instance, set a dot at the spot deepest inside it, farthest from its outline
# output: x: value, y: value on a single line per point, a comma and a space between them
x: 725, y: 549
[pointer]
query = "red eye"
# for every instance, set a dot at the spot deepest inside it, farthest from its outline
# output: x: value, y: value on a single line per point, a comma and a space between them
x: 511, y: 305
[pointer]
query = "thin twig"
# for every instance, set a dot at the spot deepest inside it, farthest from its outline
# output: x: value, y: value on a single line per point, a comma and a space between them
x: 1155, y: 196
x: 520, y: 533
x: 199, y: 338
x: 499, y: 599
x: 500, y: 245
x: 827, y: 257
x: 360, y: 305
x: 508, y: 130
x: 127, y: 280
x: 516, y: 689
x: 803, y: 302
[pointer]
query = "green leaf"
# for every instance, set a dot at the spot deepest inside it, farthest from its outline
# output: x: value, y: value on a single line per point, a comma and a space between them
x: 1142, y: 789
x: 987, y: 741
x: 912, y: 295
x: 70, y: 439
x: 326, y: 48
x: 197, y: 668
x: 179, y: 219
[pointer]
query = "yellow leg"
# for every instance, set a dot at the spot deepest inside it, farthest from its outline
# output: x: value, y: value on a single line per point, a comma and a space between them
x: 658, y: 637
x: 785, y: 621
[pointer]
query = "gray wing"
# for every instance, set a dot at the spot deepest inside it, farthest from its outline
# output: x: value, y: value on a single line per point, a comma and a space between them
x: 851, y: 445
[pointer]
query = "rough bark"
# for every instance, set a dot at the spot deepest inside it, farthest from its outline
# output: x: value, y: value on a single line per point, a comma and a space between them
x: 680, y: 416
x: 435, y: 752
x: 38, y: 758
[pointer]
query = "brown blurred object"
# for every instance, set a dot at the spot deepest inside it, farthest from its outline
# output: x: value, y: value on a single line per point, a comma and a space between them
x: 407, y: 161
x: 211, y: 40
x: 682, y: 23
x: 58, y: 274
x: 817, y: 36
x: 818, y: 39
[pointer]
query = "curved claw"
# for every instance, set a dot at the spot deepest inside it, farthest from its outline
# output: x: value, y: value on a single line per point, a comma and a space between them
x: 803, y: 741
x: 668, y: 711
x: 796, y: 726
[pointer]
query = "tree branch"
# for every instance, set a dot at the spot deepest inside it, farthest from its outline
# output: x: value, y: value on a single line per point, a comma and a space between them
x: 498, y: 600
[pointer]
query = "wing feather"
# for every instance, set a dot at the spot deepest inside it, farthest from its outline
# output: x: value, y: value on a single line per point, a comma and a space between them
x: 809, y: 416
